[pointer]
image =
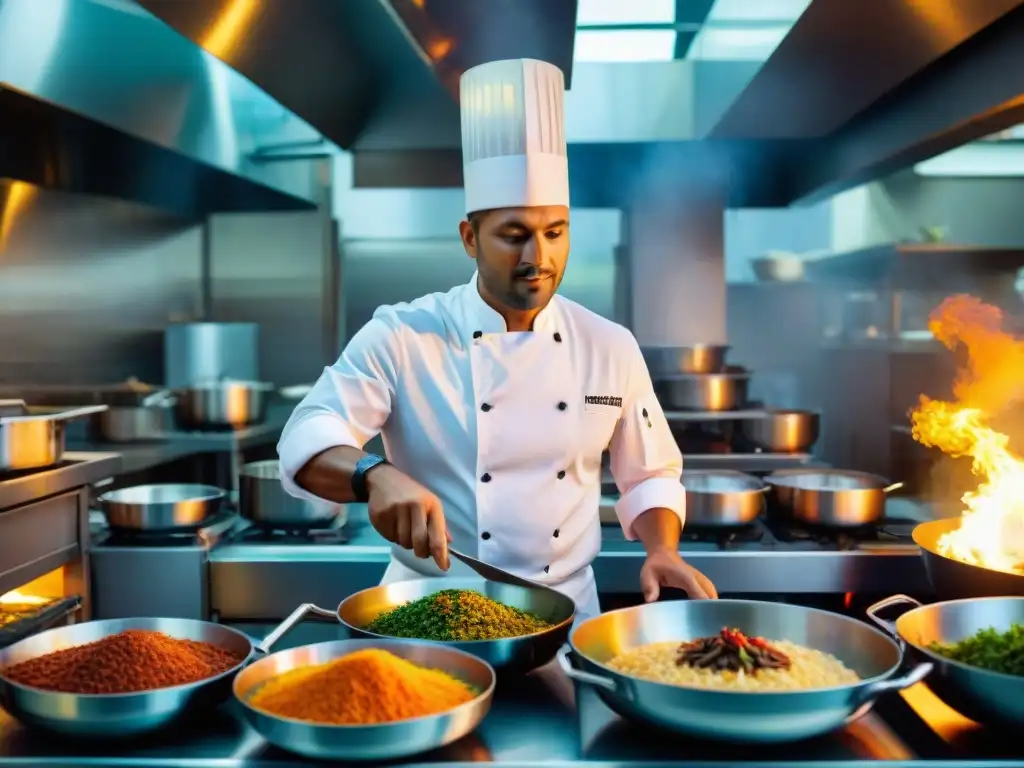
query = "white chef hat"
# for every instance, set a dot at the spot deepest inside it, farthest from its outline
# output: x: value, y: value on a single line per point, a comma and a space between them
x: 513, y: 135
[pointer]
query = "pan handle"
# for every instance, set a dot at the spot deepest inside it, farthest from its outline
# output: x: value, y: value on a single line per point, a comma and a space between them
x: 889, y: 602
x: 291, y: 623
x: 870, y: 692
x: 586, y: 678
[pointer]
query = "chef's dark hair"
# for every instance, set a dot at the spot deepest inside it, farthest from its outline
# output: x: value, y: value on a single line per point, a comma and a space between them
x: 475, y: 218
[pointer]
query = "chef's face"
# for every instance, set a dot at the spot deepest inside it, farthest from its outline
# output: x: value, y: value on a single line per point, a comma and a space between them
x: 520, y: 253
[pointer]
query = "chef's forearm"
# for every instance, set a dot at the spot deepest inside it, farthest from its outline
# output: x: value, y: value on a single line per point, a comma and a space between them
x: 329, y: 474
x: 658, y: 529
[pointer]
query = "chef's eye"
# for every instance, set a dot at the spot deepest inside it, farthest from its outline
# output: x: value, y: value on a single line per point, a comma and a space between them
x: 515, y: 238
x: 553, y: 234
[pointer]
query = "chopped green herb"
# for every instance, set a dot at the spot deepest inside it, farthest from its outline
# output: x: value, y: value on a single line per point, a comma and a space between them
x: 988, y: 649
x: 456, y: 615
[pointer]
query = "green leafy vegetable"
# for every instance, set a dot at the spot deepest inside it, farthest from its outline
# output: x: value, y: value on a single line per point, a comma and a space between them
x: 988, y: 649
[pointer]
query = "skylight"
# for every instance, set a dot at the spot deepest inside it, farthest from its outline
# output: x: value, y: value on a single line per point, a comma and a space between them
x: 620, y: 45
x: 618, y: 12
x: 721, y: 43
x: 757, y: 10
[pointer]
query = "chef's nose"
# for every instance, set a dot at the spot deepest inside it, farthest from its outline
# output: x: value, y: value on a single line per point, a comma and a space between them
x: 534, y: 252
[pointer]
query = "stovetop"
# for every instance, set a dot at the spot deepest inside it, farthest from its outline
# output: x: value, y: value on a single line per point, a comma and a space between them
x: 225, y: 529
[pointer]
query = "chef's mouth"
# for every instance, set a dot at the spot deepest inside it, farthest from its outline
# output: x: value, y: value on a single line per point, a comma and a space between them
x: 537, y: 278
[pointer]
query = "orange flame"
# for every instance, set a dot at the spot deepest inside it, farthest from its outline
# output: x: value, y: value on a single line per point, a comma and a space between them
x: 991, y: 532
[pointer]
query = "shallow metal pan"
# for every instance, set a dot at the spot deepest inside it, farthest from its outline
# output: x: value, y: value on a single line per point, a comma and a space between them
x: 722, y: 498
x: 520, y: 654
x: 952, y: 579
x: 223, y: 404
x: 703, y: 391
x: 383, y: 741
x: 835, y: 498
x: 983, y: 696
x: 778, y: 431
x: 733, y: 715
x: 165, y: 507
x: 696, y: 358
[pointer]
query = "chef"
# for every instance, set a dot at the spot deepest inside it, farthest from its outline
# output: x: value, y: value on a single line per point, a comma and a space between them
x: 496, y: 399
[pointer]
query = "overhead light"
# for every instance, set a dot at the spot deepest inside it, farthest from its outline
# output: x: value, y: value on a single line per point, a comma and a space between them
x: 611, y: 12
x: 978, y: 160
x: 757, y: 10
x: 625, y: 45
x: 723, y: 43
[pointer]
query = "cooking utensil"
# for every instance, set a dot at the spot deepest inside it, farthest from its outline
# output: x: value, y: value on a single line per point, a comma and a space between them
x: 952, y: 579
x: 831, y: 497
x: 378, y: 742
x: 722, y: 498
x: 222, y: 404
x: 703, y: 391
x: 780, y: 431
x: 170, y: 507
x: 33, y: 438
x: 125, y: 714
x: 697, y: 358
x: 742, y: 716
x: 519, y: 653
x: 148, y: 419
x: 263, y: 500
x: 978, y: 694
x: 494, y: 573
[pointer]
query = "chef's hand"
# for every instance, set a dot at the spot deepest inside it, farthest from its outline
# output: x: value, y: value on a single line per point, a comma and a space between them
x: 406, y: 513
x: 665, y: 568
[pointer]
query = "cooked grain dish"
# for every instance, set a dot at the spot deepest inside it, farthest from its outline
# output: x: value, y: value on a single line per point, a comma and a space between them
x: 809, y: 669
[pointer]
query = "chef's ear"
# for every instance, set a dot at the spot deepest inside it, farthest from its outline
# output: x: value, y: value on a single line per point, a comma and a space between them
x: 469, y: 233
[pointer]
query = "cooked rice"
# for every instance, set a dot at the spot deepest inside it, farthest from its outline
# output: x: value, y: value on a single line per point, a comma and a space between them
x: 810, y: 669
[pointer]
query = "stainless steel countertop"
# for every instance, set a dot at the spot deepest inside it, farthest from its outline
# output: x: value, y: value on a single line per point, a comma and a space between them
x: 80, y: 468
x: 533, y: 721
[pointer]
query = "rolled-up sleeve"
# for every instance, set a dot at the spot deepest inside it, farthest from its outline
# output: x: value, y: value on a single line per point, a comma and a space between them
x: 645, y: 459
x: 348, y: 405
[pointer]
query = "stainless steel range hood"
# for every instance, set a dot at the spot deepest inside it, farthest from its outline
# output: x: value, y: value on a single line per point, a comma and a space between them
x: 99, y: 97
x: 360, y: 71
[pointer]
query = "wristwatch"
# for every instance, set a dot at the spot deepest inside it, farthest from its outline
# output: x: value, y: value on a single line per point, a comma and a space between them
x: 364, y: 465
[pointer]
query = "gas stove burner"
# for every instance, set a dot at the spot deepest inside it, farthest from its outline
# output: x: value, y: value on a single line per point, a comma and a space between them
x: 894, y: 530
x: 724, y: 537
x: 291, y: 535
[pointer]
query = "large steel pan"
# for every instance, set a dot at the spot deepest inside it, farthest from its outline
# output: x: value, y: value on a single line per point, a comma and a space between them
x: 521, y: 654
x: 741, y: 716
x: 383, y: 741
x: 954, y: 580
x: 123, y: 714
x: 983, y: 696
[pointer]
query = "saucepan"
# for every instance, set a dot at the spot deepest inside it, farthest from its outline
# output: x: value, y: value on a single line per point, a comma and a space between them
x: 520, y: 654
x: 953, y: 579
x: 264, y: 500
x: 722, y: 498
x: 696, y: 358
x: 830, y: 497
x: 983, y: 696
x: 743, y: 716
x: 33, y: 438
x: 780, y: 431
x: 725, y: 391
x: 222, y: 404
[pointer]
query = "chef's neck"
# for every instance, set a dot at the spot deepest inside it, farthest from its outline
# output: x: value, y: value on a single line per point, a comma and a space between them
x: 516, y: 320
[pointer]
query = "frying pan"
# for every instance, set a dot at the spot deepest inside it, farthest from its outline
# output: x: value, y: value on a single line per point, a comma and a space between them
x: 955, y: 580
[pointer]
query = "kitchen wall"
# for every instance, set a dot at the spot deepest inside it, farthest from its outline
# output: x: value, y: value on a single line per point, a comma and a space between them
x: 87, y: 285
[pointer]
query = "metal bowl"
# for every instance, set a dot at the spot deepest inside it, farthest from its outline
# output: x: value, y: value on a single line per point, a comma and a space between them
x: 120, y: 715
x: 696, y: 358
x: 223, y: 404
x: 781, y: 431
x: 742, y: 716
x: 264, y: 500
x: 983, y: 696
x: 382, y: 741
x: 702, y: 391
x: 519, y: 653
x: 169, y: 507
x: 722, y: 497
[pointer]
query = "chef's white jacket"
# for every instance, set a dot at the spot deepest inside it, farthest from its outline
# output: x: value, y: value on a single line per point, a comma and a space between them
x: 507, y: 429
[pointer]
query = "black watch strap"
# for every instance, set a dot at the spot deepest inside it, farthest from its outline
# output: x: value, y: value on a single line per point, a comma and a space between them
x: 364, y: 465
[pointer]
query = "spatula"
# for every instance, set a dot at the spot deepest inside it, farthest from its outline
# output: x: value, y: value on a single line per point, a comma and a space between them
x: 493, y: 573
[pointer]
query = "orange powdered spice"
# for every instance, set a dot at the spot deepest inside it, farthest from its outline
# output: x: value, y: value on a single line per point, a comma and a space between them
x: 369, y: 686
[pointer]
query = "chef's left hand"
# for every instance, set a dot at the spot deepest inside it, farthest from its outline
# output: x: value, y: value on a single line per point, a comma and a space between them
x: 665, y: 568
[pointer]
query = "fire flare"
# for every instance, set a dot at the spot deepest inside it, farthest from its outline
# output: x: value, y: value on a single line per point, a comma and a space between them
x: 991, y: 532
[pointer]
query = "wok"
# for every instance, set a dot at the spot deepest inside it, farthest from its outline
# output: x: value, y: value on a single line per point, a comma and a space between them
x: 741, y: 716
x: 521, y: 654
x: 952, y: 579
x: 983, y: 696
x: 382, y: 741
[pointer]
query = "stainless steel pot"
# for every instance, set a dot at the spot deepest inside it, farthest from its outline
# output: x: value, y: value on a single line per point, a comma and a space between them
x: 170, y: 507
x: 377, y: 742
x: 831, y: 497
x: 150, y: 418
x: 722, y: 498
x: 983, y: 696
x: 521, y: 654
x: 223, y: 404
x: 953, y: 579
x: 703, y: 391
x: 34, y: 438
x: 781, y: 431
x: 697, y: 358
x: 741, y: 716
x: 263, y: 500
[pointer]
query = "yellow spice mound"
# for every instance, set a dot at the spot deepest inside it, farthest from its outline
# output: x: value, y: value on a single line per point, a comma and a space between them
x: 369, y: 686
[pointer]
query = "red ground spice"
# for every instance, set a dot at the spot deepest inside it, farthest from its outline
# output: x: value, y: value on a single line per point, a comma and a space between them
x: 133, y: 660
